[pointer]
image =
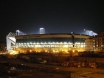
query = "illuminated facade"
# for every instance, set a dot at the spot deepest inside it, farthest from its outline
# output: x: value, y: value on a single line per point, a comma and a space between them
x: 95, y: 43
x: 89, y: 44
x: 50, y: 43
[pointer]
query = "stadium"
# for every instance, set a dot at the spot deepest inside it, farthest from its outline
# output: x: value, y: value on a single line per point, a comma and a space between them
x: 53, y: 42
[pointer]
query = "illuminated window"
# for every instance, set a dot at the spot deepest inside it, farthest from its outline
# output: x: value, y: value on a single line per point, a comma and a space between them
x: 53, y: 42
x: 65, y: 46
x: 48, y: 42
x: 34, y: 43
x: 60, y: 42
x: 37, y: 43
x: 81, y: 45
x: 65, y: 42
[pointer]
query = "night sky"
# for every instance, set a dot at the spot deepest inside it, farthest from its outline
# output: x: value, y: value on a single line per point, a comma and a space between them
x: 56, y: 16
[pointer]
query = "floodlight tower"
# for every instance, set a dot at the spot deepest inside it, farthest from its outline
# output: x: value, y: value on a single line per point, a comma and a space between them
x: 17, y: 32
x: 42, y: 31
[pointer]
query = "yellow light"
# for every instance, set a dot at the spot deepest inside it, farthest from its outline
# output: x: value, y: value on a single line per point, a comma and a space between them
x: 78, y: 50
x: 66, y: 52
x: 45, y: 50
x: 65, y: 46
x: 12, y: 52
x: 73, y: 51
x: 30, y: 50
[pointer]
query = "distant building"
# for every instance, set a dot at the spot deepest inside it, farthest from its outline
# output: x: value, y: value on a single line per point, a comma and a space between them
x: 57, y: 42
x: 89, y: 44
x: 96, y: 43
x: 2, y: 46
x: 42, y: 31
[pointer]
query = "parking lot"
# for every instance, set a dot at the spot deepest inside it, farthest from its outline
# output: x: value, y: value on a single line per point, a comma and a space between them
x: 20, y: 68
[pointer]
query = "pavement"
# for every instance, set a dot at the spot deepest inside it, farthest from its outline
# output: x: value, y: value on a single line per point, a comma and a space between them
x: 75, y: 72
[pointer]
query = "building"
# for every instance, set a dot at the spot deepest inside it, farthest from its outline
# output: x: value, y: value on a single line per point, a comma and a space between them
x: 99, y: 42
x: 2, y: 46
x: 59, y: 42
x: 89, y: 44
x: 95, y: 43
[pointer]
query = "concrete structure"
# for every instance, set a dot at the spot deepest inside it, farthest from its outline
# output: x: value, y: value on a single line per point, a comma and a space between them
x: 10, y: 40
x: 89, y: 44
x: 47, y: 42
x: 99, y: 42
x: 96, y: 43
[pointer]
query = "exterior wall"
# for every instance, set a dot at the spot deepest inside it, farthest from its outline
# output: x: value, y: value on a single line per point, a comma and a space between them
x: 10, y: 41
x: 96, y: 43
x: 89, y: 45
x: 51, y: 36
x: 51, y: 43
x: 99, y: 42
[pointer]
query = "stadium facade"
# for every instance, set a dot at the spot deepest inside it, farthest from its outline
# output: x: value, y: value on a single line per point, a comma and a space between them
x: 55, y: 42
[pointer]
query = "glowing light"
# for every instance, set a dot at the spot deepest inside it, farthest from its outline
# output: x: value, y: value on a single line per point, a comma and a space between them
x: 90, y: 33
x: 37, y: 43
x: 17, y: 30
x: 78, y: 50
x: 30, y: 50
x: 34, y: 43
x: 77, y: 43
x: 27, y: 43
x: 42, y: 31
x: 65, y: 42
x: 45, y: 43
x: 60, y: 42
x: 66, y: 51
x: 41, y: 28
x: 81, y: 45
x: 45, y: 50
x: 30, y: 42
x: 73, y: 51
x: 70, y: 43
x: 66, y: 46
x: 12, y: 52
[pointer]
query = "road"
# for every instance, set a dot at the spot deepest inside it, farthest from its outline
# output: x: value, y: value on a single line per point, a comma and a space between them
x: 76, y: 72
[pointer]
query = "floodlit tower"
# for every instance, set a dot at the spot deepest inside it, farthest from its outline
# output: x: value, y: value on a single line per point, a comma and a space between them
x: 42, y: 31
x: 17, y: 32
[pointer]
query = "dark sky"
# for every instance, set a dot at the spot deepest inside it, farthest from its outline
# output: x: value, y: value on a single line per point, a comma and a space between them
x: 56, y: 16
